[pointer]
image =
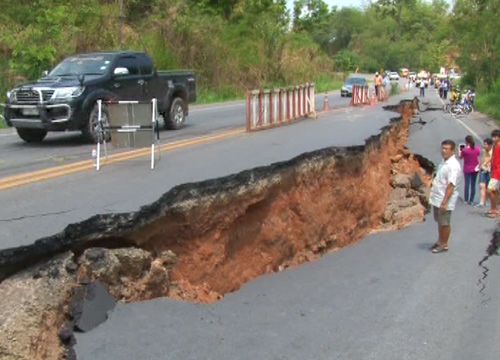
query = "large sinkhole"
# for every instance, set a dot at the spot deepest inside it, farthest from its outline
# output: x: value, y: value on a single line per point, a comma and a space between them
x: 202, y: 240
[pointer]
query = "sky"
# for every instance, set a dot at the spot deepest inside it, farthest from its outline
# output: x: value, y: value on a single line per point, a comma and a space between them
x: 338, y: 3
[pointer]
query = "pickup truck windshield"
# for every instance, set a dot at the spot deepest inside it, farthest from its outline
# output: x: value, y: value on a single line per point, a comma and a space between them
x: 356, y: 81
x: 83, y: 65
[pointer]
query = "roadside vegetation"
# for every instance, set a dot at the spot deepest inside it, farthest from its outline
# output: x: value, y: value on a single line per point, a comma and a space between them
x: 488, y: 102
x: 476, y: 28
x: 235, y: 45
x: 394, y: 89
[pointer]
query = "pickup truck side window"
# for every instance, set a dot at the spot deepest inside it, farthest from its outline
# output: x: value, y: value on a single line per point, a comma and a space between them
x: 145, y: 64
x: 130, y: 63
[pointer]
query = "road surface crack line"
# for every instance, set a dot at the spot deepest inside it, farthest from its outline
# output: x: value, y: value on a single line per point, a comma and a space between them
x: 493, y: 249
x: 36, y: 215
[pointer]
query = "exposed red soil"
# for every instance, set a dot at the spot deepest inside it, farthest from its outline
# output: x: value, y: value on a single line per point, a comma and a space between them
x: 297, y: 215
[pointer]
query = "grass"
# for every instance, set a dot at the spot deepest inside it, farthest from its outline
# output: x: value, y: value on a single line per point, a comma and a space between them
x: 488, y: 103
x: 326, y: 83
x: 394, y: 89
x: 207, y: 96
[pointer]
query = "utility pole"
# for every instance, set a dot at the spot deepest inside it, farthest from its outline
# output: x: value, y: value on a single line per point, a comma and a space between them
x: 120, y: 24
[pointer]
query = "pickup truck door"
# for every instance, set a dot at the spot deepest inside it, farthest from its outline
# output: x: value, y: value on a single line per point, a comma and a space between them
x: 127, y: 86
x: 152, y: 87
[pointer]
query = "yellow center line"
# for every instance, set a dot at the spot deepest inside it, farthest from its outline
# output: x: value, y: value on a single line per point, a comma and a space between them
x: 79, y: 166
x: 58, y: 171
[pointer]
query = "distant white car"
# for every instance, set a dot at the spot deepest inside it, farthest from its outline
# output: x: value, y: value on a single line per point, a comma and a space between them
x: 394, y: 76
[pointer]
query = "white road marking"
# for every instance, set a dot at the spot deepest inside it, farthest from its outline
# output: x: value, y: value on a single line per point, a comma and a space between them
x: 463, y: 124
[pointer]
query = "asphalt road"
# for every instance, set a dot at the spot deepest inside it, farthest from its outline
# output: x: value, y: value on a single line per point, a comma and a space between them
x: 41, y: 209
x: 386, y: 297
x: 16, y: 156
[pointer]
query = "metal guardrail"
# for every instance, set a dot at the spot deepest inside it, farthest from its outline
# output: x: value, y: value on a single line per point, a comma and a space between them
x: 364, y: 95
x: 267, y: 108
x: 360, y: 95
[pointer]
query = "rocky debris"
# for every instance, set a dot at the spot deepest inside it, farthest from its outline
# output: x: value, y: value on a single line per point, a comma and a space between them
x: 32, y: 310
x: 89, y: 307
x: 99, y: 263
x: 409, y: 199
x: 129, y: 274
x: 402, y: 181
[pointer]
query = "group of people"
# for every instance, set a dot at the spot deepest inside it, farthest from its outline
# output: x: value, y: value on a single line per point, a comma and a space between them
x: 465, y: 97
x: 443, y: 88
x: 380, y: 80
x: 476, y: 162
x: 444, y: 191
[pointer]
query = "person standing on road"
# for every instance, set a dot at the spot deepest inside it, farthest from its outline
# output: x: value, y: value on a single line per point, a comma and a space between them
x: 495, y: 175
x: 484, y: 175
x: 470, y: 154
x: 378, y: 83
x: 422, y: 88
x: 444, y: 194
x: 385, y: 84
x: 446, y: 86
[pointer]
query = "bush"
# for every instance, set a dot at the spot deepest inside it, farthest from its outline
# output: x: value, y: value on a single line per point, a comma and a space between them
x: 489, y: 103
x: 394, y: 89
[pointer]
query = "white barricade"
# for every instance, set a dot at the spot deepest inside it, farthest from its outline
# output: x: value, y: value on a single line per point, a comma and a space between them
x: 128, y: 123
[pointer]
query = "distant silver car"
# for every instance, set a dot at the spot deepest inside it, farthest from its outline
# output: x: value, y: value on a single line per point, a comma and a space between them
x: 346, y: 89
x: 394, y: 76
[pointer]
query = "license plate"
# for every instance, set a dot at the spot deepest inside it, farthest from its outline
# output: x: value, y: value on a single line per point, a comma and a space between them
x: 30, y: 111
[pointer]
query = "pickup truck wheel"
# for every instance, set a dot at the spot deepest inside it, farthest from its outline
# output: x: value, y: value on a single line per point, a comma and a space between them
x: 31, y: 135
x: 176, y: 117
x: 89, y: 132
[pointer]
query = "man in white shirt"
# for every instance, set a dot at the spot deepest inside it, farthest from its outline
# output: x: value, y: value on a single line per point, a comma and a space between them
x: 444, y: 194
x: 422, y: 87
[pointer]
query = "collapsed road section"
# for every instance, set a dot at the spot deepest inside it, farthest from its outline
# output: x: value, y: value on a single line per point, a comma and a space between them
x: 200, y: 241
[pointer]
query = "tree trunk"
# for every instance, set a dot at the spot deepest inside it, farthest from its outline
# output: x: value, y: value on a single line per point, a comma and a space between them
x: 398, y: 20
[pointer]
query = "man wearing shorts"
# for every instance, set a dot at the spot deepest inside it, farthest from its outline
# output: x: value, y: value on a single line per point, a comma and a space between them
x: 495, y: 175
x: 444, y: 194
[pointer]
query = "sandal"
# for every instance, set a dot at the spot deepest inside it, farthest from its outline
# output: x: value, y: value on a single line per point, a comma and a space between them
x: 439, y: 249
x: 492, y: 215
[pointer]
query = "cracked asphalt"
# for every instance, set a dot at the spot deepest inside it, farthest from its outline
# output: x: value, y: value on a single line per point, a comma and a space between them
x: 384, y: 298
x: 125, y: 186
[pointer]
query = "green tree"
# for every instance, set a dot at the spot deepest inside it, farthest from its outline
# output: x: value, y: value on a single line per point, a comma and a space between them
x: 394, y: 8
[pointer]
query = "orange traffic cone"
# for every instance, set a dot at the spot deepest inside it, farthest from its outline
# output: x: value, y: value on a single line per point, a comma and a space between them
x: 374, y: 98
x: 326, y: 105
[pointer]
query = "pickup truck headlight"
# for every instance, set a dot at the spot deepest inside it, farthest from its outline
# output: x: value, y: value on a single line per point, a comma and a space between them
x: 11, y: 95
x: 68, y: 93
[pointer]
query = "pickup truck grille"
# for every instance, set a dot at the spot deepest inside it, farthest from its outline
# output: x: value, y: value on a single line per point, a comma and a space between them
x: 47, y: 94
x: 33, y: 96
x: 28, y: 96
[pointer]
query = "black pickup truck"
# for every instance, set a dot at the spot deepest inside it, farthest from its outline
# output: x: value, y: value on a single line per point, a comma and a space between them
x: 65, y: 98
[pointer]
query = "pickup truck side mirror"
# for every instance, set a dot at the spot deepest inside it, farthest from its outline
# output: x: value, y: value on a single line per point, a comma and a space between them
x: 120, y: 71
x: 45, y: 73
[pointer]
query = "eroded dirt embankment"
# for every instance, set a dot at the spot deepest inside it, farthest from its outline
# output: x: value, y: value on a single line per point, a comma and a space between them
x: 200, y: 241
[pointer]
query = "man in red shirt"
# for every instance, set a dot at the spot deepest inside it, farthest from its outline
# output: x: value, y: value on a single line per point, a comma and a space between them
x: 494, y: 183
